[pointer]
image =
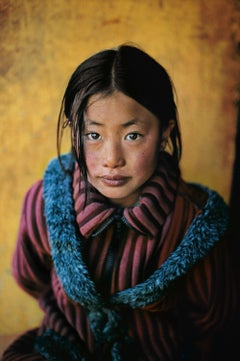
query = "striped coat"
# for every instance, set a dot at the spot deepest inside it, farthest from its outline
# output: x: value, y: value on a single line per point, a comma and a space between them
x: 152, y: 281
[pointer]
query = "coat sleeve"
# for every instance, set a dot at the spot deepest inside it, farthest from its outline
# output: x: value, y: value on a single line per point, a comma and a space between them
x: 213, y: 306
x: 31, y: 263
x: 209, y: 310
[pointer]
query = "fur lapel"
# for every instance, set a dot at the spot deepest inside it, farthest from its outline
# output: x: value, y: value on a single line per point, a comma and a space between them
x: 65, y: 240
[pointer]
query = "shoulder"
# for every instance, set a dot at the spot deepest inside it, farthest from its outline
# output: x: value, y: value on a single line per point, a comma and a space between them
x: 206, y: 211
x: 33, y: 204
x: 57, y: 169
x: 60, y: 165
x: 193, y: 194
x: 58, y: 174
x: 34, y: 193
x: 199, y: 212
x: 200, y: 197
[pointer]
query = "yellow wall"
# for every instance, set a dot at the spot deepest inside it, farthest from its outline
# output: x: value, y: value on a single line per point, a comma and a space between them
x: 41, y: 43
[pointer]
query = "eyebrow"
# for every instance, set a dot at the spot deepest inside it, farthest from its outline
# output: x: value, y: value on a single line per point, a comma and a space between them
x: 124, y: 125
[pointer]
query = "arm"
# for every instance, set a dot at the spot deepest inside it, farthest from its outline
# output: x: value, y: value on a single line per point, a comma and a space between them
x: 31, y: 262
x: 213, y: 304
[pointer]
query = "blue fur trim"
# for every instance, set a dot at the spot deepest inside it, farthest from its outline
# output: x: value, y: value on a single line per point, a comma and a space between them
x: 206, y: 230
x: 54, y: 347
x: 64, y: 235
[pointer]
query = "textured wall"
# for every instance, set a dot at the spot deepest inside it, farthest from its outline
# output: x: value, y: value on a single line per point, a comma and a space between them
x: 41, y: 43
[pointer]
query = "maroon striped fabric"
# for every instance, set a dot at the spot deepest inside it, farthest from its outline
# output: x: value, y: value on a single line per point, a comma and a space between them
x: 119, y: 258
x: 147, y: 217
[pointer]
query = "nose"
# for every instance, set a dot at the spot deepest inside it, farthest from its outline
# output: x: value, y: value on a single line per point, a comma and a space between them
x: 113, y: 155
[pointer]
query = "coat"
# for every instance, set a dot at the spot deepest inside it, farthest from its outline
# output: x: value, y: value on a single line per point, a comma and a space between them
x: 153, y: 281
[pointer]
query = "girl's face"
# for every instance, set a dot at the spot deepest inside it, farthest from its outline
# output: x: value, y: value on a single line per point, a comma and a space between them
x: 121, y: 144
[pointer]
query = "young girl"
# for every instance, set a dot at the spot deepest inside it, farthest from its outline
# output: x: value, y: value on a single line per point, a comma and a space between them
x: 125, y: 258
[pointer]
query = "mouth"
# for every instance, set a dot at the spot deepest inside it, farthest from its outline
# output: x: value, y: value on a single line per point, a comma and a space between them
x: 114, y: 181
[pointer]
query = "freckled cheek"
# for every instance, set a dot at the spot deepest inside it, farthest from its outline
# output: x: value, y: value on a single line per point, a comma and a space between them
x: 145, y: 162
x: 91, y: 161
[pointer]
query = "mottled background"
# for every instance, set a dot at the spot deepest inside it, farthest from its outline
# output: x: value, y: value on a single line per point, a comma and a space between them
x: 41, y: 43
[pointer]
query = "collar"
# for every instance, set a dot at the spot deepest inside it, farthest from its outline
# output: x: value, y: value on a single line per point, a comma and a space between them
x: 68, y: 257
x: 205, y: 231
x: 147, y: 217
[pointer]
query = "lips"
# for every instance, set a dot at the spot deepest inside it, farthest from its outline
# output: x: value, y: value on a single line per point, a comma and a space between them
x: 114, y: 181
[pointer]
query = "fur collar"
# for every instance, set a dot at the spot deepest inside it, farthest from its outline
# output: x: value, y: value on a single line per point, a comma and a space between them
x: 66, y: 244
x: 65, y: 240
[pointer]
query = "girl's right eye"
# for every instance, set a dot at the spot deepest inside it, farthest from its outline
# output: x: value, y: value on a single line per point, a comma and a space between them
x: 92, y: 136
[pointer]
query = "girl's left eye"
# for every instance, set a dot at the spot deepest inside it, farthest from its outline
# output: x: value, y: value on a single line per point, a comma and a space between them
x: 133, y: 136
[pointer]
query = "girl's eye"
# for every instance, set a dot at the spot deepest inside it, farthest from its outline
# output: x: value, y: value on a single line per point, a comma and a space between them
x: 133, y: 136
x: 92, y: 136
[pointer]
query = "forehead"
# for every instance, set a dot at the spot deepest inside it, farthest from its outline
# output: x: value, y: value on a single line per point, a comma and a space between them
x: 116, y: 106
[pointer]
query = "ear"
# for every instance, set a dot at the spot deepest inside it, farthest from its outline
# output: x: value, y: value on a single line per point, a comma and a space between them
x: 166, y: 134
x: 168, y: 130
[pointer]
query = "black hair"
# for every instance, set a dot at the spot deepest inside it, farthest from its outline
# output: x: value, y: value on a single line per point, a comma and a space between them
x: 127, y: 69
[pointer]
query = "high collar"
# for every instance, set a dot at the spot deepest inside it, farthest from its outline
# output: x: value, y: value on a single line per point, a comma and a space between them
x: 95, y: 212
x: 68, y: 257
x: 67, y: 244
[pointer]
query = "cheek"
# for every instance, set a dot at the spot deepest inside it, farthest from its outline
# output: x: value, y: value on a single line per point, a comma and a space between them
x: 146, y: 161
x: 91, y: 161
x: 151, y: 153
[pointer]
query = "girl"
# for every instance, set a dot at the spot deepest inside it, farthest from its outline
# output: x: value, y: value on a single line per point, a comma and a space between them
x: 125, y: 258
